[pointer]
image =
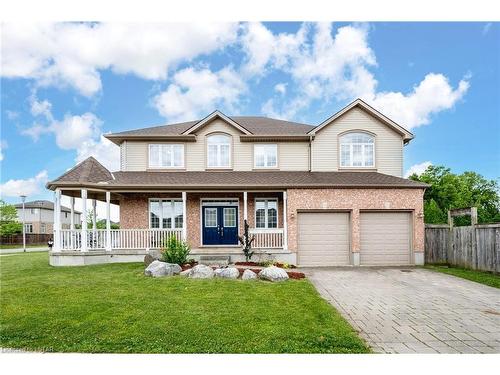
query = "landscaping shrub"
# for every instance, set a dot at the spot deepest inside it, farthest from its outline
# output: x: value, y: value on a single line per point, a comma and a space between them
x: 175, y: 251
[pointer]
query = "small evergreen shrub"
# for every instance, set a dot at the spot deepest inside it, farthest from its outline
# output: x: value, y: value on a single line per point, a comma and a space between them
x: 175, y: 251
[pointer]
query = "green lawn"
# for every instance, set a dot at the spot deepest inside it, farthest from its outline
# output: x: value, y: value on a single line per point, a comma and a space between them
x: 482, y: 277
x: 114, y: 308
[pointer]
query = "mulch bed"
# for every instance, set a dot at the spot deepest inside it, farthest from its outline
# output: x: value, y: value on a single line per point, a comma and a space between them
x: 291, y: 274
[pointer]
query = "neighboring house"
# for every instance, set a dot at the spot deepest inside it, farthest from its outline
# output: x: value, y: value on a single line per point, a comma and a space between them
x: 325, y: 195
x: 39, y: 217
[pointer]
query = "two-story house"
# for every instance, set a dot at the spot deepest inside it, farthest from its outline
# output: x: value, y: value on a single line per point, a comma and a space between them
x: 39, y: 216
x: 325, y: 195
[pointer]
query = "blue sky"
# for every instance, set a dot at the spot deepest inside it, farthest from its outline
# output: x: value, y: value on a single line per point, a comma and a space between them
x: 64, y: 85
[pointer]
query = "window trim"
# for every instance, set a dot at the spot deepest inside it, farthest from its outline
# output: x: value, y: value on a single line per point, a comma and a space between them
x: 205, y: 210
x: 160, y: 216
x: 340, y: 143
x: 230, y: 137
x: 183, y: 153
x: 28, y: 225
x: 266, y: 214
x: 255, y: 166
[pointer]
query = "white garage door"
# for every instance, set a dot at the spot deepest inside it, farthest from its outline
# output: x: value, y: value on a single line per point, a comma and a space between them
x: 385, y: 238
x: 323, y: 239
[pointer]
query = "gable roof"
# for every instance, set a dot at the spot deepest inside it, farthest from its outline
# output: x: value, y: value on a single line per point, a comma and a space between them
x: 252, y: 127
x: 89, y: 170
x: 213, y: 116
x: 407, y: 135
x: 255, y: 125
x: 44, y: 204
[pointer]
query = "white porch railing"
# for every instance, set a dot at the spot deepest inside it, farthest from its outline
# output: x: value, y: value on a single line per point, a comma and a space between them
x: 134, y: 239
x: 267, y: 238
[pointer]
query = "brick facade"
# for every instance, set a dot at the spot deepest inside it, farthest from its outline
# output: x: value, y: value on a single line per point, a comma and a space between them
x: 355, y: 200
x: 134, y: 211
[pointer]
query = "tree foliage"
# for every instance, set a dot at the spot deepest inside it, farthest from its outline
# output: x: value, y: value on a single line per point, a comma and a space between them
x: 8, y: 219
x: 449, y: 190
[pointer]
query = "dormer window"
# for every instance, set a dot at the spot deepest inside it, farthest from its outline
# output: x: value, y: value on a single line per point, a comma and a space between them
x: 357, y: 150
x: 219, y: 151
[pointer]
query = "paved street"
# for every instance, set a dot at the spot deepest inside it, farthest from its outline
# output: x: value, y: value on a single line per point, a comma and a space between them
x: 419, y: 311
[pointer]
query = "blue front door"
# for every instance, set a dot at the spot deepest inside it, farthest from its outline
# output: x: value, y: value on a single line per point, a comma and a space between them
x: 220, y: 225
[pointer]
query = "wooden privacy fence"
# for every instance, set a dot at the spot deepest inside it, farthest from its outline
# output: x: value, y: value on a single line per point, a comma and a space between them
x: 476, y: 246
x: 31, y: 239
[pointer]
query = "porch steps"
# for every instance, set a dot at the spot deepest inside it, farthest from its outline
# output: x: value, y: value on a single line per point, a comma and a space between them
x: 219, y: 260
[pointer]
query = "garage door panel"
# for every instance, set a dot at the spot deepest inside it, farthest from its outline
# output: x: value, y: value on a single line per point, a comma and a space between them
x: 323, y: 238
x: 385, y: 238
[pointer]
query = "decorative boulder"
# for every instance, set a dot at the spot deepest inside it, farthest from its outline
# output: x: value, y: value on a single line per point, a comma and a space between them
x: 201, y: 272
x: 160, y: 269
x: 151, y: 256
x: 176, y: 269
x: 227, y: 273
x: 148, y: 259
x: 248, y: 275
x: 186, y: 273
x: 273, y: 273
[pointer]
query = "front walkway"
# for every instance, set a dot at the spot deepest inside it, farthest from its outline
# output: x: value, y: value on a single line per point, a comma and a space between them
x: 414, y: 310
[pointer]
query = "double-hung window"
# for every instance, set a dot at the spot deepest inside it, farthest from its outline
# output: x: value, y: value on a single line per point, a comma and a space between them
x: 165, y: 213
x: 265, y: 155
x: 357, y: 150
x: 164, y: 155
x: 266, y: 213
x: 219, y: 151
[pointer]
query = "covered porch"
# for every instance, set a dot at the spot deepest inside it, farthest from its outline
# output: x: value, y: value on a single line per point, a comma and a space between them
x: 209, y: 221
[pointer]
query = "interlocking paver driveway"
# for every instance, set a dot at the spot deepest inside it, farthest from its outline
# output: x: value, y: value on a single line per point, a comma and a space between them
x: 419, y: 311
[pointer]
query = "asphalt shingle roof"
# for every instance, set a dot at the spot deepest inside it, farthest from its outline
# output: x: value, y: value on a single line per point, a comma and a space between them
x: 255, y: 124
x: 91, y: 172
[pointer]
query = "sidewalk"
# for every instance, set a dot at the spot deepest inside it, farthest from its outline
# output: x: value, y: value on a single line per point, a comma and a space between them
x: 20, y: 250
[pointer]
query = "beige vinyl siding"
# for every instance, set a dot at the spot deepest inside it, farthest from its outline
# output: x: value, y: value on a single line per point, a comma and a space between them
x: 241, y: 156
x: 293, y: 156
x: 385, y: 238
x: 388, y: 143
x: 136, y: 155
x: 323, y: 239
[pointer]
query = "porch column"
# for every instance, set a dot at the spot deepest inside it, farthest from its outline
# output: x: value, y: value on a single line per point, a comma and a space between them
x: 285, y: 226
x: 83, y: 237
x: 95, y: 241
x: 72, y: 221
x: 108, y: 221
x: 245, y: 205
x: 184, y: 216
x: 57, y: 221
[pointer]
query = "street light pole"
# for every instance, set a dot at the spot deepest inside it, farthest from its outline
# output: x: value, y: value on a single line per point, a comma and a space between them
x: 23, y: 197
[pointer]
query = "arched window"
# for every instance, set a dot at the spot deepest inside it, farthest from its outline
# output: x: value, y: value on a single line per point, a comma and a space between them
x: 219, y: 151
x: 357, y: 150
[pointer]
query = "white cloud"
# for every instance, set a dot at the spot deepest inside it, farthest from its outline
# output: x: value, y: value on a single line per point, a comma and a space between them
x: 434, y: 94
x: 105, y: 151
x: 280, y: 88
x: 72, y: 54
x: 74, y: 130
x: 418, y: 169
x: 82, y: 133
x: 326, y: 67
x: 195, y: 92
x: 30, y: 186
